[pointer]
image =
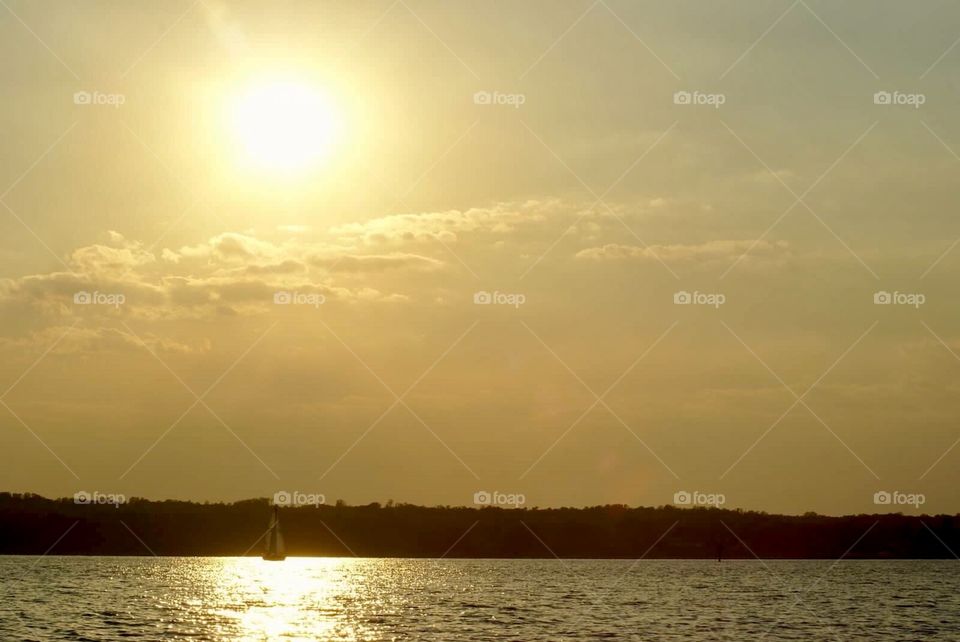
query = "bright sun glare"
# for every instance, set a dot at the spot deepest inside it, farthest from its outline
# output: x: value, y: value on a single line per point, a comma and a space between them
x: 285, y: 127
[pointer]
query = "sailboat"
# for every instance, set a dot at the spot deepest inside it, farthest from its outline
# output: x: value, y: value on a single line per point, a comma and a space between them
x: 275, y: 551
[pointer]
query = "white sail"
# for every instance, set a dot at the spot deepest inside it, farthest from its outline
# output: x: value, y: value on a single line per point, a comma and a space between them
x: 275, y: 549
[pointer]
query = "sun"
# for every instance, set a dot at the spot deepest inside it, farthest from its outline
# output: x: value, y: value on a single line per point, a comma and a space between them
x: 284, y: 127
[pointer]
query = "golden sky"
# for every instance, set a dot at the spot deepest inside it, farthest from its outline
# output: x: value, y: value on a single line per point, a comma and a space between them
x: 587, y: 252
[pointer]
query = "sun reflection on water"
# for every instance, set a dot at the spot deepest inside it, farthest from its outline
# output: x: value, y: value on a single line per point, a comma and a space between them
x: 298, y: 599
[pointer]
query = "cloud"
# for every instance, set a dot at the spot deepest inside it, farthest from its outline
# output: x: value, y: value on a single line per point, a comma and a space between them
x: 121, y: 256
x: 238, y: 273
x: 375, y: 262
x: 711, y: 251
x: 227, y: 247
x: 230, y: 273
x: 289, y: 266
x: 449, y: 225
x: 234, y: 253
x: 67, y: 340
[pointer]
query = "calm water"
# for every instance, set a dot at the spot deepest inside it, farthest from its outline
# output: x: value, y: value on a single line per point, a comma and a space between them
x: 76, y: 598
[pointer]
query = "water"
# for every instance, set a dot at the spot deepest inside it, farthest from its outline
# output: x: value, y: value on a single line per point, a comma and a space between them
x: 113, y: 598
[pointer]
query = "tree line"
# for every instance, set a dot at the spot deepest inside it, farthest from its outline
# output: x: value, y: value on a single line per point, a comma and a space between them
x: 34, y: 525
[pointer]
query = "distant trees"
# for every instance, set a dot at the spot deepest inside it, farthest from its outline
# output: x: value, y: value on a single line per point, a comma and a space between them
x: 30, y: 524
